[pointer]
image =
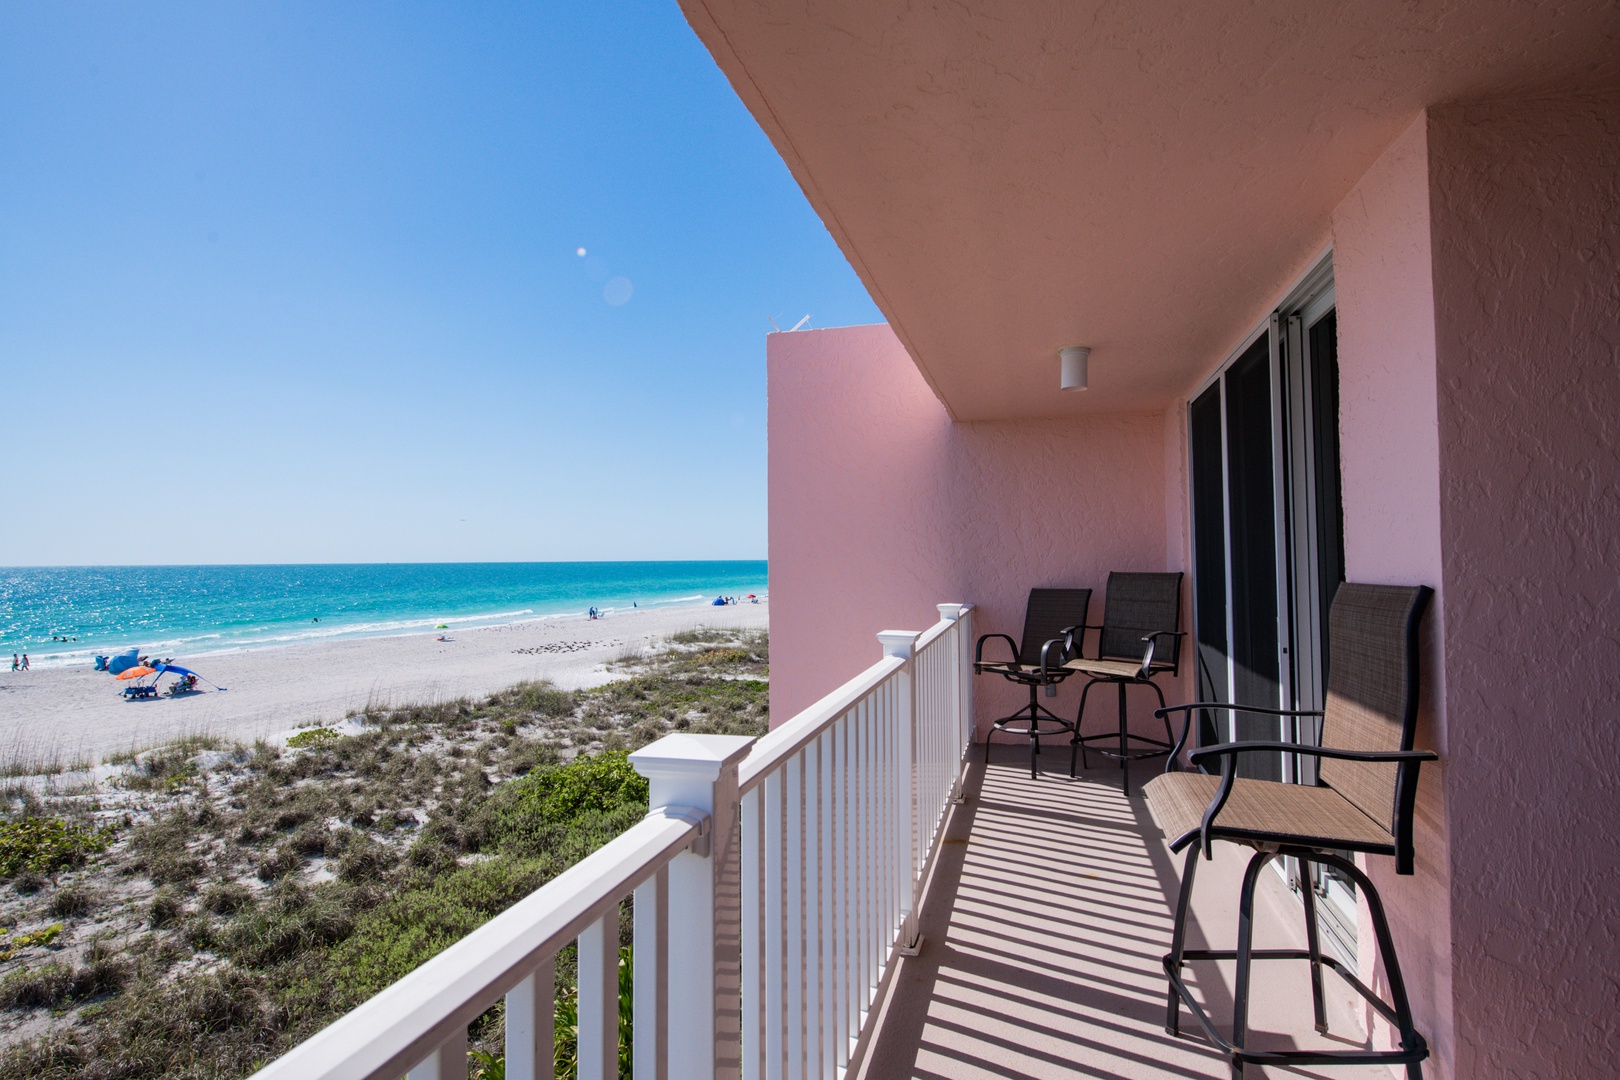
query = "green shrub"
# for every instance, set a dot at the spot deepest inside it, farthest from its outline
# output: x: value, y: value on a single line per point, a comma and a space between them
x: 46, y: 845
x: 401, y: 934
x: 316, y: 736
x: 9, y: 945
x: 564, y: 794
x: 566, y: 1029
x: 562, y: 811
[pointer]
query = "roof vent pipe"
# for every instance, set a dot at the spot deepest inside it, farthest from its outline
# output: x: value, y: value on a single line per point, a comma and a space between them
x: 1075, y: 361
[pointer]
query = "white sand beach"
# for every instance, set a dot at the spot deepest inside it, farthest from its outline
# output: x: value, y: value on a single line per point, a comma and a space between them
x: 76, y: 713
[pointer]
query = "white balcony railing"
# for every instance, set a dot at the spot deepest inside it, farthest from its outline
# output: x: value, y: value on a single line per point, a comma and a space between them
x: 774, y: 884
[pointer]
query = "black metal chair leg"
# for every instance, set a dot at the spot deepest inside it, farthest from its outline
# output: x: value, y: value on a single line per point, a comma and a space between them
x: 1079, y: 718
x: 1307, y: 892
x: 1245, y: 949
x: 1178, y: 941
x: 1392, y: 968
x: 1169, y: 736
x: 1124, y: 747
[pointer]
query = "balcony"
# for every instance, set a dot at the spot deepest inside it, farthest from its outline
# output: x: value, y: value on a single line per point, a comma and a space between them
x: 855, y: 894
x: 1043, y: 929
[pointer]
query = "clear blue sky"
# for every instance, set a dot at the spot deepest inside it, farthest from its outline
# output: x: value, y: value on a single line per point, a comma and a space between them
x: 299, y: 282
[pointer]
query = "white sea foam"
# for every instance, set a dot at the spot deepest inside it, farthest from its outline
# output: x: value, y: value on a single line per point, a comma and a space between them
x: 212, y: 644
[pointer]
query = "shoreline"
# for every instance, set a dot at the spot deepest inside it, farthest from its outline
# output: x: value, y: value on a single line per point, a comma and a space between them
x: 72, y: 713
x: 403, y: 627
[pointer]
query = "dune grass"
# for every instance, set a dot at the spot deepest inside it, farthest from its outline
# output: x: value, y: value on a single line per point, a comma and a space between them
x: 216, y: 904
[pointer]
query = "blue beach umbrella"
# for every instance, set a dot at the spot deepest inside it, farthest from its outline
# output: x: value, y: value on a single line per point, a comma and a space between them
x: 124, y: 660
x: 176, y: 669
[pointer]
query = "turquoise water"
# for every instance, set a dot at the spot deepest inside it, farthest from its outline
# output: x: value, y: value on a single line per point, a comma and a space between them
x: 182, y: 611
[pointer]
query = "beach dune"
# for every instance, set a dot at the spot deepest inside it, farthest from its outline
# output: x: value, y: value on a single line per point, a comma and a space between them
x: 77, y: 713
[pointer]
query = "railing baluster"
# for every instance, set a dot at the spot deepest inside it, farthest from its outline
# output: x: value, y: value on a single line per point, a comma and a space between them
x: 448, y: 1062
x: 531, y: 1017
x: 775, y: 940
x: 828, y: 943
x: 848, y: 872
x: 793, y: 893
x: 870, y: 777
x: 650, y: 1052
x: 598, y: 1001
x: 753, y: 898
x: 812, y: 909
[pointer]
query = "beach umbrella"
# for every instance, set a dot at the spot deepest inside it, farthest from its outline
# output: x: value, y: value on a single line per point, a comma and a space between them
x: 135, y: 673
x: 176, y: 669
x: 124, y: 661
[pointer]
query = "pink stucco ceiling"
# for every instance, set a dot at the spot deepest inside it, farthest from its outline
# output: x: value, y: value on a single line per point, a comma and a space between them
x: 1011, y: 177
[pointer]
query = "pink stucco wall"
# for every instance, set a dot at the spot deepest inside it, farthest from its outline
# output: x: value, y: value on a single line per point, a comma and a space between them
x: 1478, y: 275
x: 880, y: 507
x: 1525, y: 200
x: 1390, y: 469
x: 1477, y: 267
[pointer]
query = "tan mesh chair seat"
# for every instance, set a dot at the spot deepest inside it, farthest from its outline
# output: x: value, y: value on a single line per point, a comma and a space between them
x: 1119, y: 669
x: 1051, y: 621
x: 1363, y: 801
x: 1007, y: 666
x: 1293, y: 813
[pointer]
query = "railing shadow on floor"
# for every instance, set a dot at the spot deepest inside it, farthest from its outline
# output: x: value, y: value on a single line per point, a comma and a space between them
x: 1047, y: 917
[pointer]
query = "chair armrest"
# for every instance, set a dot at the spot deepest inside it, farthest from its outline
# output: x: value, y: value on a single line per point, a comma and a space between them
x: 978, y: 649
x: 1235, y: 748
x: 1167, y: 710
x: 1152, y: 640
x: 1074, y: 639
x: 1067, y: 643
x: 1408, y: 760
x: 1186, y: 721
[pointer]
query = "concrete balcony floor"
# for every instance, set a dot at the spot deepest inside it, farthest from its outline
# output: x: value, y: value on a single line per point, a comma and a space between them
x: 1044, y: 926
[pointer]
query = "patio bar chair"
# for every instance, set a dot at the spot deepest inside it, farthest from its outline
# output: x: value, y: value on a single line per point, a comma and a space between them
x: 1050, y: 618
x: 1363, y: 801
x: 1137, y: 641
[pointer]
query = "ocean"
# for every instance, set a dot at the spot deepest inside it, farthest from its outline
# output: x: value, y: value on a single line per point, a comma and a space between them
x: 183, y: 611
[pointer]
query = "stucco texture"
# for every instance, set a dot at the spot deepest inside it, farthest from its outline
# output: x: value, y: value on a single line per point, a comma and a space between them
x: 1525, y: 198
x: 1390, y: 484
x: 880, y: 506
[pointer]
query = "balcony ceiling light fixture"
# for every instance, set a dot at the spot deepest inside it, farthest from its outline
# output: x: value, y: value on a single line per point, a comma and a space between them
x: 1074, y: 360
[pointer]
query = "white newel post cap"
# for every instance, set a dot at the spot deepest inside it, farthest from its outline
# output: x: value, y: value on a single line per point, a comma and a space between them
x: 901, y: 643
x: 950, y: 612
x: 682, y: 770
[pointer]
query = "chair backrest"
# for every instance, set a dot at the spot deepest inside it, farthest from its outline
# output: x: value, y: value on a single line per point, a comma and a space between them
x: 1048, y: 613
x: 1372, y: 689
x: 1139, y: 605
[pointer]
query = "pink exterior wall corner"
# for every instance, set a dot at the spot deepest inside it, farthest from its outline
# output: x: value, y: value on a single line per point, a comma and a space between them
x: 1525, y: 199
x: 880, y: 507
x: 1390, y: 466
x: 858, y: 539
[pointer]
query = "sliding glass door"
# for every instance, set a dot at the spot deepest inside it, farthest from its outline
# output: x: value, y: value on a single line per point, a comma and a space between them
x: 1266, y: 523
x: 1235, y: 525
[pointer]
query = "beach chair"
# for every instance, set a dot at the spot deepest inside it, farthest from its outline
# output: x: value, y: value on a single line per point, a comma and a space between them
x: 1139, y: 639
x: 1362, y: 801
x: 1050, y: 619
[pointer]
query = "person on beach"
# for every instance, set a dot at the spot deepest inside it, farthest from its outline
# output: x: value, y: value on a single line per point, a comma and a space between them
x: 15, y: 666
x: 25, y: 662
